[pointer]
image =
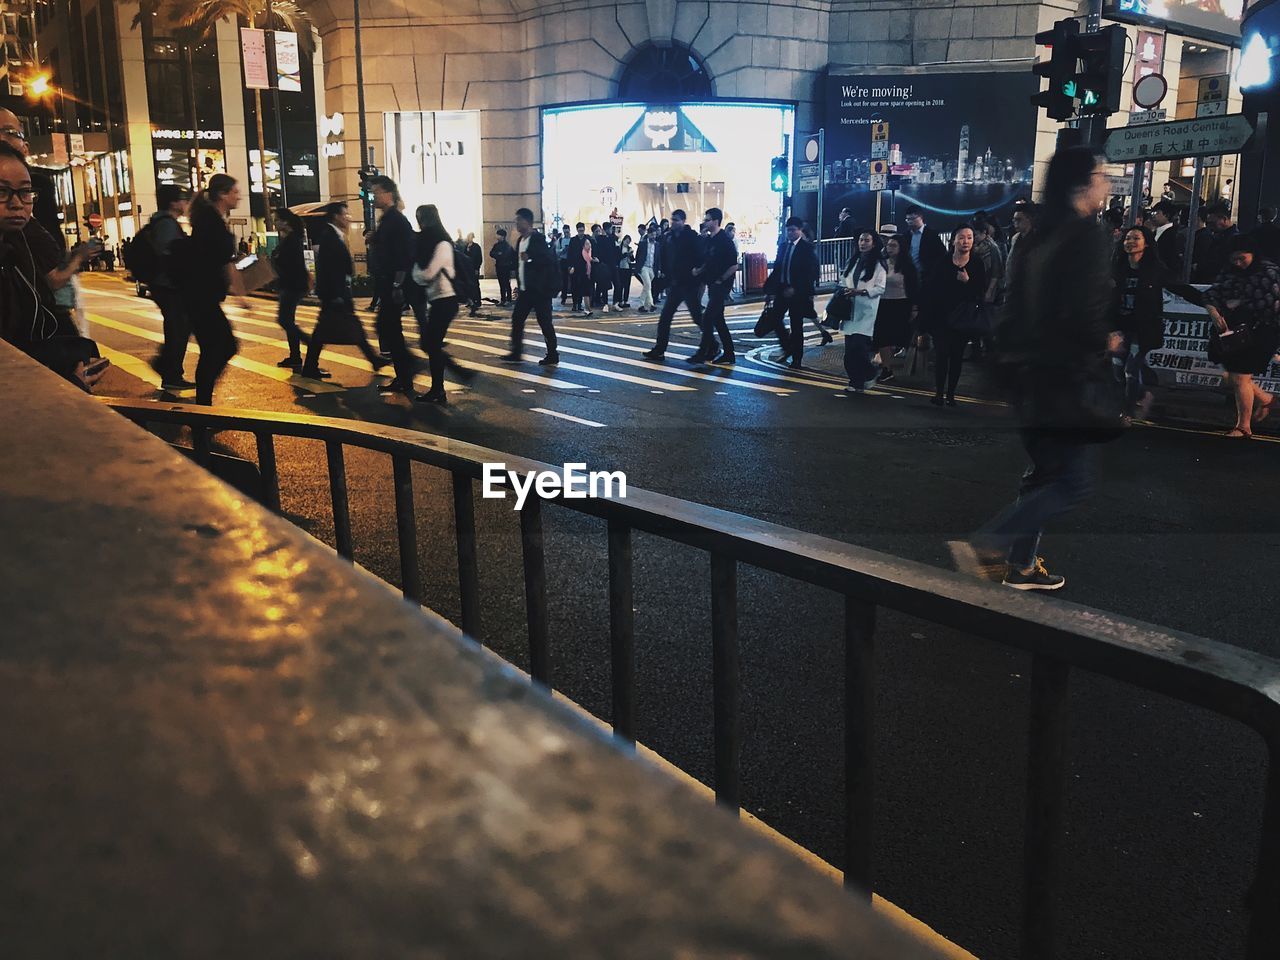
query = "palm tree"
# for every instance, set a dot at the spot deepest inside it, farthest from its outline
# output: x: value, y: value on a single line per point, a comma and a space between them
x: 193, y: 21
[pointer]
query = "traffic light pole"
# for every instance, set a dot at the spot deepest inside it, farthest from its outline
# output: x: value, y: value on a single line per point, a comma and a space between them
x: 367, y: 208
x: 1189, y: 249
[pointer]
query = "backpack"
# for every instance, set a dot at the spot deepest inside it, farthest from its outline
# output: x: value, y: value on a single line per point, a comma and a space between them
x: 465, y: 282
x: 141, y: 258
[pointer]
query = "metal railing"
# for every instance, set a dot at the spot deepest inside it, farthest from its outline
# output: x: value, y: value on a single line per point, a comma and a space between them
x: 833, y: 255
x: 1059, y: 636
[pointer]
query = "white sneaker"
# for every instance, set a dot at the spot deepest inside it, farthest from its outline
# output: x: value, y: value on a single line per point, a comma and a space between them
x: 606, y: 308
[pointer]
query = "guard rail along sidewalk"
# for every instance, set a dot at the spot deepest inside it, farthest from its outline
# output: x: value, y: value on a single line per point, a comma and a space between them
x: 1060, y: 636
x: 221, y: 740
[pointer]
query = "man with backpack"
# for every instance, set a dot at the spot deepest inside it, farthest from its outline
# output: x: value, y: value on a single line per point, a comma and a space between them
x: 146, y: 259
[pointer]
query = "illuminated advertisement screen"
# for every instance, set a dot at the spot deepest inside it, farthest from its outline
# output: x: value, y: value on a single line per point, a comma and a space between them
x: 1211, y: 19
x: 636, y: 162
x: 951, y: 143
x: 434, y: 157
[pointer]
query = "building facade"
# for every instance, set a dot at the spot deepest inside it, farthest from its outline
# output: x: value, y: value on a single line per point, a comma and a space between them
x: 491, y: 68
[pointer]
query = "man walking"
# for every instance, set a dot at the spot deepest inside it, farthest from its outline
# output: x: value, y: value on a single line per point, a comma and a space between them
x: 681, y: 255
x: 392, y: 263
x: 717, y: 272
x: 536, y: 284
x: 504, y: 261
x: 580, y: 270
x: 647, y: 263
x: 927, y: 248
x: 171, y: 203
x: 791, y: 285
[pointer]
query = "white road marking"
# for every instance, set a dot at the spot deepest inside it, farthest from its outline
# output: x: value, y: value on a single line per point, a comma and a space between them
x: 565, y: 416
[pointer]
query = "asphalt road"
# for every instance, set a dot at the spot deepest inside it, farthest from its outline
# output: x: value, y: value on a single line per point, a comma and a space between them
x: 1164, y: 801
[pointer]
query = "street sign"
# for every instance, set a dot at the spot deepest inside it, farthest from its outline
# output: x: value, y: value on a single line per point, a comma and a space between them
x: 1212, y: 88
x: 1201, y: 137
x: 94, y: 220
x: 808, y: 169
x: 1150, y: 90
x: 807, y: 184
x: 879, y: 149
x: 813, y: 148
x: 879, y: 131
x: 1138, y: 117
x: 879, y: 179
x: 1211, y: 108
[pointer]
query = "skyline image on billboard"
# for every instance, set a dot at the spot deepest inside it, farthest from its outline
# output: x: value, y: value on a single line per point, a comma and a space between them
x: 957, y: 143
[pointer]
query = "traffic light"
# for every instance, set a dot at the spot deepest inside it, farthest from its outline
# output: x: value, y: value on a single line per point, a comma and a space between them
x: 367, y: 174
x: 1058, y: 99
x: 779, y: 175
x: 1101, y: 71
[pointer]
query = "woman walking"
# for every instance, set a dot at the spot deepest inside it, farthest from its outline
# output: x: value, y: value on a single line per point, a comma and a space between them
x: 293, y: 282
x: 433, y: 269
x: 337, y: 322
x: 622, y: 288
x: 1140, y: 279
x: 897, y: 314
x: 212, y: 274
x: 954, y: 292
x: 863, y: 282
x: 1246, y: 329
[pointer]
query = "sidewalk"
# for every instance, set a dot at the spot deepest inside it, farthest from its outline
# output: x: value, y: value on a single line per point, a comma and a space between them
x: 1176, y: 405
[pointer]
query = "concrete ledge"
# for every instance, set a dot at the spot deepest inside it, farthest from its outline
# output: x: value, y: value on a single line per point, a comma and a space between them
x: 221, y: 740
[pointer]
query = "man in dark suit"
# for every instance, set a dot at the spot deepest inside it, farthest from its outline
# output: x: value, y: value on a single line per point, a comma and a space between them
x: 925, y: 246
x: 337, y: 322
x: 391, y: 248
x: 1164, y: 221
x: 791, y: 286
x: 682, y: 253
x: 536, y: 278
x: 579, y: 279
x: 717, y: 273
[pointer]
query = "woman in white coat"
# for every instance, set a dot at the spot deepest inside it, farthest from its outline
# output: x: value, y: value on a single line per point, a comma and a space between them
x: 864, y: 282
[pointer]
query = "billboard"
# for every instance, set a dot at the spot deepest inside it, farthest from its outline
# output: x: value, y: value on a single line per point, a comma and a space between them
x: 1210, y: 19
x: 952, y: 143
x: 434, y: 157
x: 632, y: 162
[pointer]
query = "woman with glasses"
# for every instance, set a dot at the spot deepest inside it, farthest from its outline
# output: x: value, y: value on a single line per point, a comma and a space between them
x: 30, y: 317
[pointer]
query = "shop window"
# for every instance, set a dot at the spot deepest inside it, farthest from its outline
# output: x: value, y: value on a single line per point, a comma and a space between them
x: 670, y: 74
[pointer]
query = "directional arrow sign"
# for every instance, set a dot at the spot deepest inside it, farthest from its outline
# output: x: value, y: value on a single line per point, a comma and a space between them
x: 1201, y: 137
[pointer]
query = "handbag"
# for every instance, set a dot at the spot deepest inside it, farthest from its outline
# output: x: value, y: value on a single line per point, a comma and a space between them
x: 839, y: 309
x: 967, y: 317
x: 770, y: 319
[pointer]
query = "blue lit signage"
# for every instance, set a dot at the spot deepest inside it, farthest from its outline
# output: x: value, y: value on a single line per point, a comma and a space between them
x: 1211, y: 19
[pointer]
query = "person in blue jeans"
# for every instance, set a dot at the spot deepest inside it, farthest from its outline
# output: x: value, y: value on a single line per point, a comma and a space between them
x: 1055, y: 342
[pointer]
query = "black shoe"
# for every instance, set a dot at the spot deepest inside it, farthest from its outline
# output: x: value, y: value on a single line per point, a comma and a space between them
x: 290, y: 363
x: 951, y: 402
x: 826, y: 338
x: 511, y: 358
x: 936, y: 400
x: 728, y: 359
x: 795, y: 365
x: 176, y: 383
x: 1039, y: 578
x: 391, y: 386
x: 315, y: 374
x: 550, y: 360
x: 696, y: 358
x: 433, y: 396
x: 657, y: 356
x: 884, y: 376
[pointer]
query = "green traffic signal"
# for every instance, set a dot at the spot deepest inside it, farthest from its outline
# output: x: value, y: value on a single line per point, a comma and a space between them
x: 1069, y: 89
x: 1090, y: 98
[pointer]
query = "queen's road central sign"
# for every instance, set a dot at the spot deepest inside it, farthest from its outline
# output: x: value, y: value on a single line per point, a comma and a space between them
x: 1201, y: 137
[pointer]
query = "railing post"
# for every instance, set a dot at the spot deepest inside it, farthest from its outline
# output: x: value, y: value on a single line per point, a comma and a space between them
x: 201, y: 444
x: 859, y: 743
x: 725, y: 678
x: 1046, y: 764
x: 622, y: 631
x: 338, y: 496
x: 406, y: 528
x: 1264, y: 895
x: 267, y: 468
x: 464, y: 523
x: 535, y: 591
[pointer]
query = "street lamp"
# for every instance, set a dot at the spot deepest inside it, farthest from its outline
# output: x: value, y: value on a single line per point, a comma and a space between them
x: 39, y: 86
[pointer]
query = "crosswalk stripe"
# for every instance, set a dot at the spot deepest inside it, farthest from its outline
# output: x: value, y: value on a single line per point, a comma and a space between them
x: 243, y: 363
x: 647, y: 365
x: 577, y: 368
x: 132, y: 366
x: 565, y: 416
